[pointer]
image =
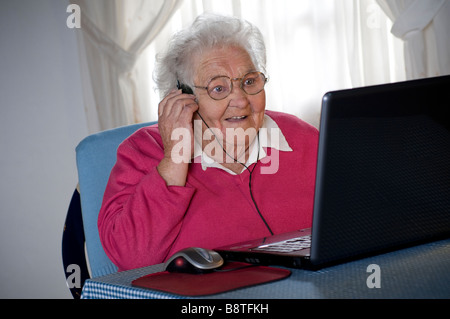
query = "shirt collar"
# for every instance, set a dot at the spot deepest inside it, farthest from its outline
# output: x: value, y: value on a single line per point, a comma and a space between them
x: 270, y: 136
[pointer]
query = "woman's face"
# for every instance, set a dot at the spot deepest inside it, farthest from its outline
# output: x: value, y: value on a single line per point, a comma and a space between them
x: 238, y: 110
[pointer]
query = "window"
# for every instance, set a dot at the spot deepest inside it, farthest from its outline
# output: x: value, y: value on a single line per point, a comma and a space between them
x: 324, y: 45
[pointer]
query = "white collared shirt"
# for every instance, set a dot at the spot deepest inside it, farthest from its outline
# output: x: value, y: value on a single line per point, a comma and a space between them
x: 270, y: 135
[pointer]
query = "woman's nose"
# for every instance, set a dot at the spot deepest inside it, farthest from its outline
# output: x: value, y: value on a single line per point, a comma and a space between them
x: 238, y: 97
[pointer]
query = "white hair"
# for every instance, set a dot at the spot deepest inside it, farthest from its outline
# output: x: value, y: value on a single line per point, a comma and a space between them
x: 208, y: 31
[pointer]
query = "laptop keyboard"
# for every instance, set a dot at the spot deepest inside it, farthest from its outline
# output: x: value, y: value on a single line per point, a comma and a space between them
x: 287, y: 246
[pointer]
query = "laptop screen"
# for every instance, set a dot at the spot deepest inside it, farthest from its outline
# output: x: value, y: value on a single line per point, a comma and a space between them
x: 383, y: 175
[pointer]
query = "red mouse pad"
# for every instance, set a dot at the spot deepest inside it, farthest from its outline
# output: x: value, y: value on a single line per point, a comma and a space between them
x: 236, y: 276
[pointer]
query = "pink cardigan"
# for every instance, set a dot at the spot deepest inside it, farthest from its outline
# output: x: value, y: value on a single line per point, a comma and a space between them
x: 143, y: 222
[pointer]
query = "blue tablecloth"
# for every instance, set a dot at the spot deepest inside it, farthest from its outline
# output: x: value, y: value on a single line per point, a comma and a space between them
x: 416, y: 272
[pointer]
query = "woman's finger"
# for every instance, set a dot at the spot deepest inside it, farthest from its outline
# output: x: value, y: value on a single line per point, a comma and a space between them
x: 163, y: 104
x: 174, y: 106
x: 187, y: 112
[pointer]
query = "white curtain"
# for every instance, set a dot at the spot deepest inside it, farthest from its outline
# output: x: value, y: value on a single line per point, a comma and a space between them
x: 114, y: 35
x: 313, y: 46
x: 424, y: 27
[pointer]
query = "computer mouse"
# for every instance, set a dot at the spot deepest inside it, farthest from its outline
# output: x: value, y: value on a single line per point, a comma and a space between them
x: 194, y: 260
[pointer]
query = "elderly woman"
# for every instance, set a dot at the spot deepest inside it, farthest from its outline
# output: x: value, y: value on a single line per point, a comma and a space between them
x: 218, y: 168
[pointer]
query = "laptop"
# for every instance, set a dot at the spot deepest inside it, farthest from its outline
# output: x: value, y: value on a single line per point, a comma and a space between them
x: 382, y: 180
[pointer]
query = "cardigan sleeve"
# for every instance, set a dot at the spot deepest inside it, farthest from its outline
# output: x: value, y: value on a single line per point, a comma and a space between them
x: 141, y: 216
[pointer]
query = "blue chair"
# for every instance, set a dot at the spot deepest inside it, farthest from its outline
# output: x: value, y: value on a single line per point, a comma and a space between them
x: 95, y: 157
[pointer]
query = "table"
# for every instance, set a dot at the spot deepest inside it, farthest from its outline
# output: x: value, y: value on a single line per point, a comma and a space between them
x: 417, y: 272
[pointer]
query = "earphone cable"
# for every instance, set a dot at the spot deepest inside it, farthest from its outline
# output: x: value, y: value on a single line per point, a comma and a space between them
x: 247, y: 168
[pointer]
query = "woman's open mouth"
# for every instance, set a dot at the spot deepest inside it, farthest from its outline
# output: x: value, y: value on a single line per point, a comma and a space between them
x: 236, y: 118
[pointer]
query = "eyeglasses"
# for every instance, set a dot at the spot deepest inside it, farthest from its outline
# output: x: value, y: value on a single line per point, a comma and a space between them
x: 221, y: 86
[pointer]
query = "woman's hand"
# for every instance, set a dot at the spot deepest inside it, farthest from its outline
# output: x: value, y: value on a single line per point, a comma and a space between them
x: 175, y: 122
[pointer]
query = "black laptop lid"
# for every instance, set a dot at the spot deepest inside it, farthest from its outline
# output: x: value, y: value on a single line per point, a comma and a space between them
x: 383, y: 175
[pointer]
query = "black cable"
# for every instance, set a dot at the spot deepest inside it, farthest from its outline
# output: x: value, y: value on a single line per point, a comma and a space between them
x: 251, y: 193
x: 237, y: 268
x: 248, y: 169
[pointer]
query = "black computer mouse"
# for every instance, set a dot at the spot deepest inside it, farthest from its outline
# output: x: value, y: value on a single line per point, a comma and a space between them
x: 194, y: 260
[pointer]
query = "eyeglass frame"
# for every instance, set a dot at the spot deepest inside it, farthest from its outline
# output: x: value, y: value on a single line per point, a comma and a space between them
x: 231, y: 87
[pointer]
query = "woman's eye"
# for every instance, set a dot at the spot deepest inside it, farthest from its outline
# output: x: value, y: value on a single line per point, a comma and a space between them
x: 219, y: 90
x: 249, y: 82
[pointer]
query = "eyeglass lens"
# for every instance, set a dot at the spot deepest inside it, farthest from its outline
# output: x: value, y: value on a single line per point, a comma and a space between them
x: 220, y: 87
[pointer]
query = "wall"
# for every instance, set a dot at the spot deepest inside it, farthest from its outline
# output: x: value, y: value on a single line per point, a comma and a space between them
x: 41, y: 122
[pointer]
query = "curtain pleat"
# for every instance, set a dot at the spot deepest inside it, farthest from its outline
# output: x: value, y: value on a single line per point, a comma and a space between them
x: 423, y: 26
x: 114, y: 35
